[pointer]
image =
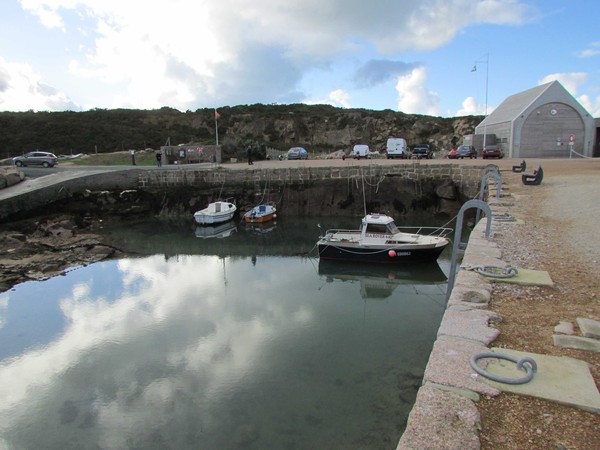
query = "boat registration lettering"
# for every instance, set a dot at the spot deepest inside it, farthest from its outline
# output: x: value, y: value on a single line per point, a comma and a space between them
x: 377, y: 235
x: 402, y: 253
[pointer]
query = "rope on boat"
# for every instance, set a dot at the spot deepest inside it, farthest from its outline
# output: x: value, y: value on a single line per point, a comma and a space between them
x: 493, y: 271
x: 526, y: 364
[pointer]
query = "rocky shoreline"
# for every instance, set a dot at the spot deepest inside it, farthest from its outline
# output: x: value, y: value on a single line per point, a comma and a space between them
x: 41, y: 248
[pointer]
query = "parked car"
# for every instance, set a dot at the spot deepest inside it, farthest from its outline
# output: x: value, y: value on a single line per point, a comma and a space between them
x: 493, y: 151
x: 297, y: 153
x: 453, y: 154
x: 422, y: 151
x: 43, y: 159
x: 396, y: 148
x: 466, y: 151
x: 361, y: 151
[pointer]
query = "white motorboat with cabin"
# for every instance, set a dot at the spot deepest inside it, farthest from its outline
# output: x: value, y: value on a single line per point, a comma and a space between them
x: 379, y: 240
x: 216, y: 212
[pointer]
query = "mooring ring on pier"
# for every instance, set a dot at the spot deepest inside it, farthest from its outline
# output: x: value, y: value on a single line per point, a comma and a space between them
x: 526, y: 364
x: 494, y: 271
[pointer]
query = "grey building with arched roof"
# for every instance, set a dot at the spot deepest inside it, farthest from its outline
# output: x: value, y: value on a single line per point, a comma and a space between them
x: 543, y: 122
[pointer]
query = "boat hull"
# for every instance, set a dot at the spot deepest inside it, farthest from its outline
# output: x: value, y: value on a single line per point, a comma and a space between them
x: 212, y: 219
x: 259, y: 219
x: 387, y: 255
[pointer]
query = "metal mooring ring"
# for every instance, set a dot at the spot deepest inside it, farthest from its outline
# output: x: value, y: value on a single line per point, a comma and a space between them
x: 527, y: 364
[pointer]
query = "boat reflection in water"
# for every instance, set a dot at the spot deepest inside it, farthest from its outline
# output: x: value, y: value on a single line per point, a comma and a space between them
x: 378, y: 281
x: 260, y: 227
x: 216, y: 231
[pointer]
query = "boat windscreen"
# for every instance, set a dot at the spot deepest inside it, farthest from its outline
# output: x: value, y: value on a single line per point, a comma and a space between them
x: 377, y: 228
x: 392, y: 228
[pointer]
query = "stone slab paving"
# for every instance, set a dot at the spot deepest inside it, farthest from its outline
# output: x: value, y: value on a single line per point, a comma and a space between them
x: 449, y: 364
x: 589, y: 328
x: 472, y: 298
x: 564, y: 328
x: 560, y: 379
x: 576, y: 342
x: 469, y: 324
x: 527, y: 277
x: 441, y: 420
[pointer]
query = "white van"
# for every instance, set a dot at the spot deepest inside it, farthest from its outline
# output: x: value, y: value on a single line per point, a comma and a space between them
x: 360, y: 151
x: 396, y: 148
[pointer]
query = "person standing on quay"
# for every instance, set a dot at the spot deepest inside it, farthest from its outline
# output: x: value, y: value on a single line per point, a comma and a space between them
x: 132, y: 152
x: 158, y: 159
x: 249, y: 155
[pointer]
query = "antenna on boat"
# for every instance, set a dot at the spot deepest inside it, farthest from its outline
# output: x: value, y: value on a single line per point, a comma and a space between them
x: 364, y: 198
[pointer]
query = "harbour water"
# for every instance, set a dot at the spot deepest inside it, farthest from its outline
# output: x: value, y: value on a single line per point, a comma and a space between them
x: 217, y: 339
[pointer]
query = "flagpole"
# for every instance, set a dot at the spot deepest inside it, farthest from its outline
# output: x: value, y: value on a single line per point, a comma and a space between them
x: 487, y: 71
x: 217, y: 126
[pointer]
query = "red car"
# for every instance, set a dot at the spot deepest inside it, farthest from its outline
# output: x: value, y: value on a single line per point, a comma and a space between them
x: 453, y: 154
x: 492, y: 151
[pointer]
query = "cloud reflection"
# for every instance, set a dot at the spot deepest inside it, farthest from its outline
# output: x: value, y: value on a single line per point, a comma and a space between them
x: 174, y: 328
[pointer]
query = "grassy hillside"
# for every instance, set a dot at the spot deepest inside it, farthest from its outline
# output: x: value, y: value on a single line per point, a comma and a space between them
x: 319, y: 128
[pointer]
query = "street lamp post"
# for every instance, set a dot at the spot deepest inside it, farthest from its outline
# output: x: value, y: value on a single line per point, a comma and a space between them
x: 485, y: 61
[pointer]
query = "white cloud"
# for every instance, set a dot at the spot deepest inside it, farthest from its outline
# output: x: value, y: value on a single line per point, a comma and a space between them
x: 571, y: 81
x: 198, y: 53
x: 338, y: 97
x: 21, y: 89
x: 414, y: 96
x: 592, y: 50
x: 591, y: 105
x: 46, y: 12
x: 469, y: 107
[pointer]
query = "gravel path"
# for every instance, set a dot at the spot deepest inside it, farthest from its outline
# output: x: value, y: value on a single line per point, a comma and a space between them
x: 559, y: 235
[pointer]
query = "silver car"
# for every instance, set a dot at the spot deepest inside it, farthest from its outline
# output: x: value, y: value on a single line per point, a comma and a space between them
x: 43, y: 159
x: 297, y: 153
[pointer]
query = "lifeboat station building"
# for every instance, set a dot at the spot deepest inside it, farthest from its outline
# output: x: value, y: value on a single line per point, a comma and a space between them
x: 543, y: 122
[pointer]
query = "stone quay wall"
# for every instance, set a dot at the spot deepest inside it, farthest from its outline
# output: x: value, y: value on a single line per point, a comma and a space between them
x: 467, y: 178
x: 35, y: 194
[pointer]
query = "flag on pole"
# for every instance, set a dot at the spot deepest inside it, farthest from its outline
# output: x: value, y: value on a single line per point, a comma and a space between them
x: 217, y: 115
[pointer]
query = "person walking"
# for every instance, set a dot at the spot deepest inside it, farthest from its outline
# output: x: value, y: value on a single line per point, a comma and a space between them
x: 132, y: 152
x: 158, y: 159
x: 249, y: 155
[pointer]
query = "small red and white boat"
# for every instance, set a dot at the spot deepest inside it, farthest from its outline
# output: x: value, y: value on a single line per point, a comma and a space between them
x: 261, y: 213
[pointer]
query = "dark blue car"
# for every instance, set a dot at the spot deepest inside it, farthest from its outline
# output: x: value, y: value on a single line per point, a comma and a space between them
x: 466, y: 151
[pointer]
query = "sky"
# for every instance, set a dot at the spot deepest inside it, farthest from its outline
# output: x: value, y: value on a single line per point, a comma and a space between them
x: 435, y: 57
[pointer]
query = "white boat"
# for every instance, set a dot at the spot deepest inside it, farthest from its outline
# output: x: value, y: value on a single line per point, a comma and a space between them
x: 379, y: 240
x: 216, y: 212
x: 261, y: 213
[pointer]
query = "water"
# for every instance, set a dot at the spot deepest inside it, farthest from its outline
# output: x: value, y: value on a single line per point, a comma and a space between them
x: 238, y: 342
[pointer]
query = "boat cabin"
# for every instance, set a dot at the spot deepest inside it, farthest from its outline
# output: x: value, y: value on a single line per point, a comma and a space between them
x: 378, y: 226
